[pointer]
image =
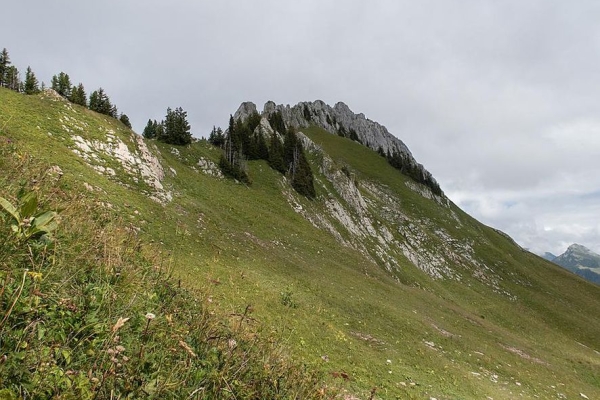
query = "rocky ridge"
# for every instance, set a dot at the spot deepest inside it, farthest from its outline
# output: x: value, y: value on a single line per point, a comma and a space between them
x: 367, y: 216
x: 581, y: 261
x: 337, y: 119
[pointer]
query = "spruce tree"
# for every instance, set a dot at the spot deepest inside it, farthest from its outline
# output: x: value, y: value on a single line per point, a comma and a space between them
x: 216, y: 137
x: 100, y: 103
x: 276, y: 160
x: 125, y: 120
x: 4, y: 65
x: 31, y: 82
x: 176, y: 128
x: 61, y: 83
x: 150, y: 130
x: 11, y: 78
x: 277, y: 123
x: 78, y: 95
x: 297, y: 166
x: 262, y: 149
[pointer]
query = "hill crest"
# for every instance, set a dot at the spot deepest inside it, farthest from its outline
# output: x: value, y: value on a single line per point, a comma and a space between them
x: 377, y: 274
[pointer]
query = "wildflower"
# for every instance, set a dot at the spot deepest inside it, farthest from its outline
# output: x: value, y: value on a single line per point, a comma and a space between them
x: 120, y: 349
x: 150, y: 316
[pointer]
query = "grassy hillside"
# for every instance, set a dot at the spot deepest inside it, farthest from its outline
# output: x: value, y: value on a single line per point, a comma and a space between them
x: 497, y: 322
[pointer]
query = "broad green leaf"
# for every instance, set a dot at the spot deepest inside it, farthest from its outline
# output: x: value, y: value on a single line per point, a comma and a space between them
x: 45, y: 222
x: 29, y: 204
x: 9, y: 208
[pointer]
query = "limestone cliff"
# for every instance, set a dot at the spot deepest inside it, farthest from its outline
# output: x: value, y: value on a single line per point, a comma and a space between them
x: 339, y: 119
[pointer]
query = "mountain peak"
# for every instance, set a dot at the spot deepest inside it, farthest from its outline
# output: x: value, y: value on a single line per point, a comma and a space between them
x: 341, y: 120
x: 578, y: 248
x: 580, y: 260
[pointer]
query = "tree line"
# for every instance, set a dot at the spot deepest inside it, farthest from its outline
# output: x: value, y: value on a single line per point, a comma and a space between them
x: 61, y: 83
x: 284, y: 152
x: 174, y: 129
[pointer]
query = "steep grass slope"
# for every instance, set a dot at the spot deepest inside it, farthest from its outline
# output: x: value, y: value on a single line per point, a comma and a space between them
x: 378, y: 283
x: 88, y: 311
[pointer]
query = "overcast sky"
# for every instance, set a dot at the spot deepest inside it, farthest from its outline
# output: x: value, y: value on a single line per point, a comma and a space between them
x: 500, y: 100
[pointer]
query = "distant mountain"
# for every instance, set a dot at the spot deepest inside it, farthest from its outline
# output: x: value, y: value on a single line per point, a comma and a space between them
x: 548, y: 256
x: 580, y: 260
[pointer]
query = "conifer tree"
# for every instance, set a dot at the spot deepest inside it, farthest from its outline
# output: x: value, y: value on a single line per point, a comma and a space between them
x: 4, y: 65
x: 297, y: 165
x: 31, y: 83
x: 100, y: 103
x: 11, y: 79
x: 216, y: 137
x: 61, y: 83
x: 125, y: 120
x: 232, y: 162
x: 150, y: 130
x: 277, y: 123
x: 78, y: 95
x: 153, y: 129
x: 176, y: 127
x: 262, y: 150
x: 276, y: 160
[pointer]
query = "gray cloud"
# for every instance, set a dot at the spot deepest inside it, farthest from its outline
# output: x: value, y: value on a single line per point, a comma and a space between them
x: 497, y: 99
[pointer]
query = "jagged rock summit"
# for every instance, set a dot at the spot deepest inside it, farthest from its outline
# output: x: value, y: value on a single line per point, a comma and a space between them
x: 582, y: 261
x: 340, y: 119
x: 578, y: 256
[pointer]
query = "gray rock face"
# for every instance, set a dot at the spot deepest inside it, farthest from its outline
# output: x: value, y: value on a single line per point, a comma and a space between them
x: 339, y: 119
x: 245, y: 109
x: 582, y: 261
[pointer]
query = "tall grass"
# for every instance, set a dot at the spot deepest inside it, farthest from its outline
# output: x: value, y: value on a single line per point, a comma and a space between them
x: 95, y: 313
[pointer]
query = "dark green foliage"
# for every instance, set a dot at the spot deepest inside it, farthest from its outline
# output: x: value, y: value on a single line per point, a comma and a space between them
x: 31, y: 85
x: 413, y: 170
x: 78, y: 95
x: 216, y: 137
x: 349, y: 133
x: 235, y: 170
x: 100, y: 103
x: 262, y: 150
x: 253, y: 121
x: 232, y: 162
x: 176, y: 128
x: 276, y: 160
x: 61, y: 83
x: 153, y: 129
x: 298, y: 167
x: 244, y: 136
x: 244, y: 140
x: 125, y: 120
x: 12, y: 80
x: 277, y: 123
x: 4, y: 64
x: 352, y: 135
x: 302, y: 177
